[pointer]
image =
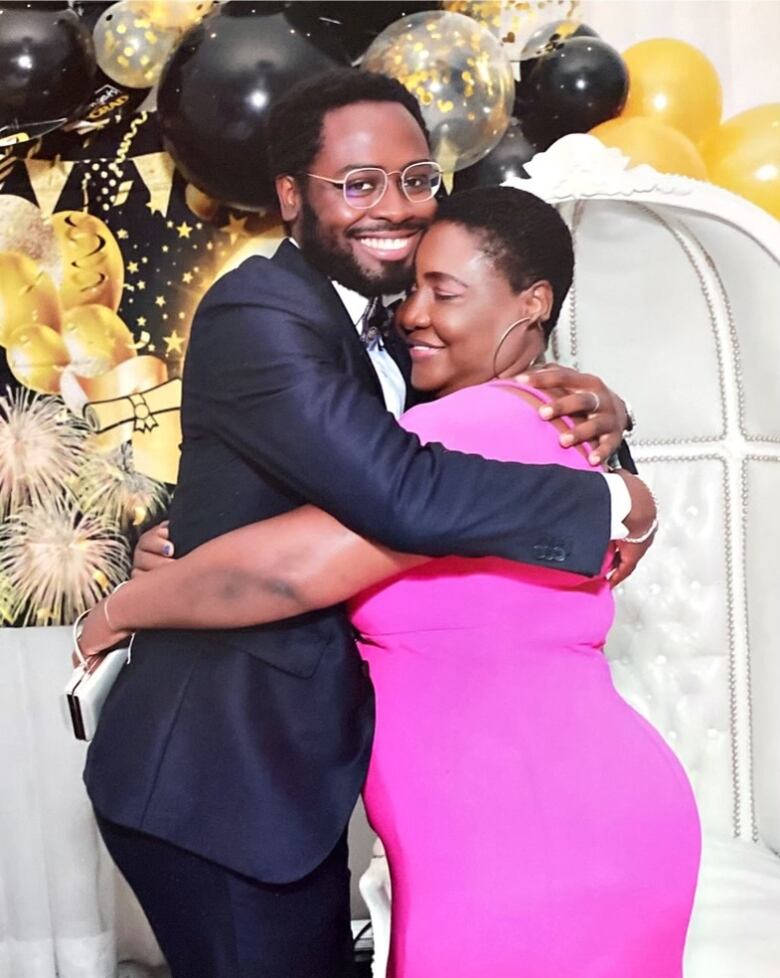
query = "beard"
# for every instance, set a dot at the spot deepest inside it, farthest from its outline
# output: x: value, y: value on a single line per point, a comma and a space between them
x: 327, y: 254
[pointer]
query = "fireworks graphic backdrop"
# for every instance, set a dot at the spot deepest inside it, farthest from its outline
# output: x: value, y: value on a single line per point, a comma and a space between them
x: 105, y: 253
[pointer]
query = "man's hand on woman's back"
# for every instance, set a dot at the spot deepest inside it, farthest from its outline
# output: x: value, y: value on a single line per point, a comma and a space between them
x: 600, y: 416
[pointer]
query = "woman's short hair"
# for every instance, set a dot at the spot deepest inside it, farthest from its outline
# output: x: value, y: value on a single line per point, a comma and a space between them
x: 525, y: 238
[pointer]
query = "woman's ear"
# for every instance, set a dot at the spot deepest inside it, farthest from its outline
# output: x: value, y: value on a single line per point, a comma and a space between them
x: 539, y: 301
x: 290, y: 199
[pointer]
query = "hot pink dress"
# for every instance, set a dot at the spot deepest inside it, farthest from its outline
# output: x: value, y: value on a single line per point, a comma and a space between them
x: 535, y: 825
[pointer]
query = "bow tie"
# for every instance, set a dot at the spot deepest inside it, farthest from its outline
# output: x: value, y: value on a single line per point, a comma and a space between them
x: 376, y: 322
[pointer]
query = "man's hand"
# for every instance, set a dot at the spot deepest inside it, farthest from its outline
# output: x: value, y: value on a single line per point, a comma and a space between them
x: 641, y: 518
x: 603, y: 413
x: 154, y: 549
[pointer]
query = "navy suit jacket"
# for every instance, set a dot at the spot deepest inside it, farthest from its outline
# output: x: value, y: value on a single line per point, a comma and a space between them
x: 250, y: 746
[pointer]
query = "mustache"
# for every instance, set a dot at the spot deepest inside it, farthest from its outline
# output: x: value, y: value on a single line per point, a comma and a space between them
x: 385, y: 226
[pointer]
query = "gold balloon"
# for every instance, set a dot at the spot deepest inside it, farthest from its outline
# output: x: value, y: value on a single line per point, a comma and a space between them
x: 97, y: 340
x: 27, y: 295
x: 674, y: 83
x: 743, y: 155
x: 22, y: 228
x: 129, y: 47
x: 651, y: 142
x: 174, y: 14
x: 37, y: 356
x: 459, y: 74
x: 94, y: 268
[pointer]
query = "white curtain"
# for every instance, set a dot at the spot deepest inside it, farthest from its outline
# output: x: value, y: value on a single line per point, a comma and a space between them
x: 59, y: 894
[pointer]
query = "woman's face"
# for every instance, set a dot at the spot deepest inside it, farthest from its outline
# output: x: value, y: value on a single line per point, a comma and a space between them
x: 460, y: 308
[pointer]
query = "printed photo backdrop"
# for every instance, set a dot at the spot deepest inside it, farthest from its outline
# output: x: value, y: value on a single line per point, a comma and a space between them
x: 104, y: 254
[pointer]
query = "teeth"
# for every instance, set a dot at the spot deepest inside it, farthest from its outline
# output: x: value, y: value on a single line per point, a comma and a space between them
x: 386, y: 244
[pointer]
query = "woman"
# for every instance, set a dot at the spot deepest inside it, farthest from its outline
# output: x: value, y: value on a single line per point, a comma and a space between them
x: 535, y: 825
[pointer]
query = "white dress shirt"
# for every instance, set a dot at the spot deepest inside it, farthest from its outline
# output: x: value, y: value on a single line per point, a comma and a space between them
x: 387, y: 370
x: 394, y: 391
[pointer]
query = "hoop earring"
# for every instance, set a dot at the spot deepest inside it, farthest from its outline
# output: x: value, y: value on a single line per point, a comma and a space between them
x: 504, y: 335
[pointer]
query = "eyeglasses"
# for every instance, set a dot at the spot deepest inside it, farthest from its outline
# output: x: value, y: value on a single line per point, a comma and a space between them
x: 365, y: 187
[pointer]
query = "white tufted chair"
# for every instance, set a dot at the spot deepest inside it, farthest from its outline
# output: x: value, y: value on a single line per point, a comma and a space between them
x: 675, y: 304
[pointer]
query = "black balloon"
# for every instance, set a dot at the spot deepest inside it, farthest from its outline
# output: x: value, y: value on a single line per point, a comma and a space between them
x: 47, y: 68
x: 217, y: 88
x: 544, y: 39
x: 574, y: 88
x: 504, y: 162
x: 357, y: 24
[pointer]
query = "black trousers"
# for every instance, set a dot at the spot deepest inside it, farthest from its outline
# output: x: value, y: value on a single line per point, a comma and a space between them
x: 214, y: 923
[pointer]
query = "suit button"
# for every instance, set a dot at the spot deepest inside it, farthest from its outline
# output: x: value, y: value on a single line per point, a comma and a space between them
x: 559, y: 554
x: 539, y: 552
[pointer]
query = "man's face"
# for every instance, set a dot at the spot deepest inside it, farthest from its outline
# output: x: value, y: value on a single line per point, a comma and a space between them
x: 370, y: 251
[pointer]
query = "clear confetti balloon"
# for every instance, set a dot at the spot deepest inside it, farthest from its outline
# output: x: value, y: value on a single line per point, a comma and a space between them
x: 460, y: 75
x: 130, y: 49
x: 178, y: 14
x: 514, y: 21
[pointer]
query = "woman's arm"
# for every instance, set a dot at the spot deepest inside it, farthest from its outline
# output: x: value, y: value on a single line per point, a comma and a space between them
x: 260, y: 573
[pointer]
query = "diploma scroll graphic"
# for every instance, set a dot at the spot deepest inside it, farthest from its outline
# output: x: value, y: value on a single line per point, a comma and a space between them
x: 151, y: 420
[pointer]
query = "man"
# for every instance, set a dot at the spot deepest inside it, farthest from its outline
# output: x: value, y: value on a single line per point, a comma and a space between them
x: 227, y: 763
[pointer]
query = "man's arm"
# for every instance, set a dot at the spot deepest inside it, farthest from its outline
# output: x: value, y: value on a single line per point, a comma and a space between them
x: 272, y: 389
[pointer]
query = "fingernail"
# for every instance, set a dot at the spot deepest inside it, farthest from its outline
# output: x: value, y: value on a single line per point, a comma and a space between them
x: 168, y: 549
x: 567, y: 439
x: 594, y: 459
x: 522, y: 378
x: 546, y: 411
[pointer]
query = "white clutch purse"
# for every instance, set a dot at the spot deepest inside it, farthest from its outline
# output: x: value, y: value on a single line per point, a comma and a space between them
x: 90, y: 684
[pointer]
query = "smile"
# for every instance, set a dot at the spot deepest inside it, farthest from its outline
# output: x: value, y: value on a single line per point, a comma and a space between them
x: 422, y: 351
x: 389, y: 249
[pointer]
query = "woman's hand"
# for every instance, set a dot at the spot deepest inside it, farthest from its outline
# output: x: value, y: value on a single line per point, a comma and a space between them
x: 603, y: 413
x: 154, y: 549
x: 97, y: 637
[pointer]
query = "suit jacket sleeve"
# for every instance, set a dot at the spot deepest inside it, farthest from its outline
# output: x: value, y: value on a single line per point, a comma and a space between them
x: 273, y: 388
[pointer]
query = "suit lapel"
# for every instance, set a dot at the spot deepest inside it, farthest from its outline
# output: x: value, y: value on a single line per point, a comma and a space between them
x: 292, y: 259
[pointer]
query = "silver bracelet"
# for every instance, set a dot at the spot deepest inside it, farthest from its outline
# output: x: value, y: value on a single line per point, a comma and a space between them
x: 645, y: 536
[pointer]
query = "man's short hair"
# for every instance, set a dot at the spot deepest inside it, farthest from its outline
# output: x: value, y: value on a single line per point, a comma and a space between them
x: 295, y: 123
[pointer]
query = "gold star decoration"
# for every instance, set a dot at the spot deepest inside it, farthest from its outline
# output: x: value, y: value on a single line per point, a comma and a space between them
x: 187, y: 278
x: 236, y: 228
x: 160, y: 301
x: 122, y: 234
x: 141, y: 321
x: 141, y: 285
x: 173, y: 343
x: 184, y: 230
x: 165, y: 249
x: 132, y: 267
